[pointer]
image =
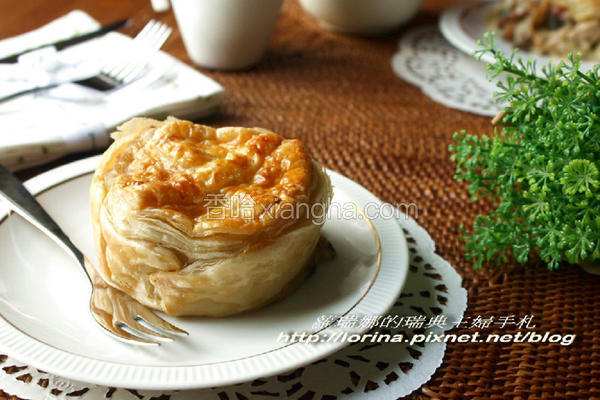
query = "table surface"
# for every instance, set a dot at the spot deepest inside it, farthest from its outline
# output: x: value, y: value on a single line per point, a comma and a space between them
x: 339, y: 95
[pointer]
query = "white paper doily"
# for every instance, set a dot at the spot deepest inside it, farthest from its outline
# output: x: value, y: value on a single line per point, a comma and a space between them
x: 445, y: 74
x: 359, y: 371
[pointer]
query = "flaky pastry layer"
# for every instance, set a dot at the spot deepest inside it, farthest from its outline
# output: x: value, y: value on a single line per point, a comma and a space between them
x: 193, y: 220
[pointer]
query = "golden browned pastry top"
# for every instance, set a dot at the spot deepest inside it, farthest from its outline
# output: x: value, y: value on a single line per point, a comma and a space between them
x: 226, y: 180
x: 193, y: 220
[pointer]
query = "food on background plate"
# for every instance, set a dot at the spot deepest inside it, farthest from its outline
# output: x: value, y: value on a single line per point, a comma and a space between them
x: 192, y: 220
x: 552, y: 27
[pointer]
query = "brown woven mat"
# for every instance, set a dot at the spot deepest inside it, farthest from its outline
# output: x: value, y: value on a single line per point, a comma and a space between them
x: 340, y: 97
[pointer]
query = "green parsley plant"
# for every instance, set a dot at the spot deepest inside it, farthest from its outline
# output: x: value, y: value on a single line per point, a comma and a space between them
x: 539, y: 168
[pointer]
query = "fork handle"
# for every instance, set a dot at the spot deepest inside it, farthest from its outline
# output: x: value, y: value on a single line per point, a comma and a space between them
x: 24, y: 204
x: 27, y: 91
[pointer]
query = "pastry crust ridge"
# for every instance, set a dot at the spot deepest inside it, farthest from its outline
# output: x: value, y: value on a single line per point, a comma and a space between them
x: 193, y: 220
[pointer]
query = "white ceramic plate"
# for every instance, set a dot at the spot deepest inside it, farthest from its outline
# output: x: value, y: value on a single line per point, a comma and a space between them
x: 465, y: 23
x: 44, y: 298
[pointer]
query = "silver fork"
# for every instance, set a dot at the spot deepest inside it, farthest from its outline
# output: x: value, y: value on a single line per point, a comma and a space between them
x: 119, y: 314
x: 119, y: 72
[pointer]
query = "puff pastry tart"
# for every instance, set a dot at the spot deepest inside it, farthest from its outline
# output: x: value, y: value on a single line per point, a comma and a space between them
x: 192, y: 220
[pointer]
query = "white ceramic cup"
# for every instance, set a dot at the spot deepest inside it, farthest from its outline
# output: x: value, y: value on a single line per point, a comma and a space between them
x: 362, y: 17
x: 226, y: 34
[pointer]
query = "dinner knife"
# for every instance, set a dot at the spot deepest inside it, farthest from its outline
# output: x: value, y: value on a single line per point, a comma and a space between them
x: 63, y: 44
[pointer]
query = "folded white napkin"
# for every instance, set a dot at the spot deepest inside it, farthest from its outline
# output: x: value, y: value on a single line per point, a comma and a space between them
x: 40, y: 127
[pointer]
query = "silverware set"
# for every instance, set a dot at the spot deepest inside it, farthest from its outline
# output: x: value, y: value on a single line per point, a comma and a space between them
x: 116, y: 312
x: 118, y: 70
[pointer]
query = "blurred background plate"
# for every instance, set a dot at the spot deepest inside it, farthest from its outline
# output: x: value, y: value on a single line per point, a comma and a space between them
x: 466, y: 22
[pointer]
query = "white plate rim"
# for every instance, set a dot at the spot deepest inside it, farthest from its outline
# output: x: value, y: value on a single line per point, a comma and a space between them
x: 451, y: 28
x: 449, y: 24
x: 27, y: 349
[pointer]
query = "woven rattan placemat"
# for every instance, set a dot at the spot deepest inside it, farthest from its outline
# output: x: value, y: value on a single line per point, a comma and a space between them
x: 339, y: 95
